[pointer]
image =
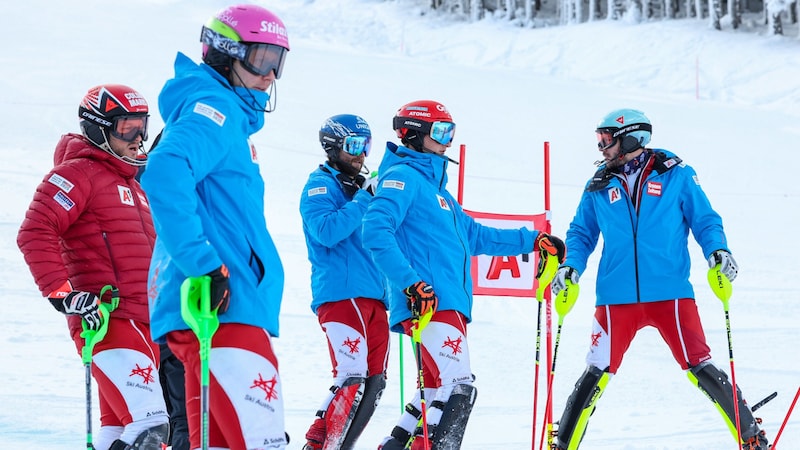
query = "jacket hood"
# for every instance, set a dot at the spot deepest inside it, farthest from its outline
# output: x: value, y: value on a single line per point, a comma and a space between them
x: 193, y: 81
x: 430, y: 165
x: 73, y: 146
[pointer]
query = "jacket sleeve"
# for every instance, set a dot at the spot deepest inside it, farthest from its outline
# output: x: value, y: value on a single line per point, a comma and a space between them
x: 485, y: 240
x: 583, y: 234
x: 385, y: 213
x: 52, y: 212
x: 705, y: 223
x: 189, y: 150
x: 327, y: 222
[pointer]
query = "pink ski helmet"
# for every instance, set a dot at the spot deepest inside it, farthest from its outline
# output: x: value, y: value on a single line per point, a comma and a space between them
x: 249, y: 33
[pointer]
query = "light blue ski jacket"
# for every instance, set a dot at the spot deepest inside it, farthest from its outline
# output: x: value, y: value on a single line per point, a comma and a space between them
x: 645, y: 254
x: 415, y: 230
x: 207, y: 198
x: 340, y: 266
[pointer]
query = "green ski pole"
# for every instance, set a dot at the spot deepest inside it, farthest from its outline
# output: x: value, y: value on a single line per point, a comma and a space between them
x: 196, y: 312
x: 90, y: 339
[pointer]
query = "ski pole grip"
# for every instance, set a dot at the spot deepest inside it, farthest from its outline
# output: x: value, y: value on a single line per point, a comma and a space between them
x: 546, y: 274
x: 720, y: 284
x: 196, y: 310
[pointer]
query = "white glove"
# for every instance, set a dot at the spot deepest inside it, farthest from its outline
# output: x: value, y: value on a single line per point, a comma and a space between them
x: 370, y: 183
x: 727, y: 265
x: 559, y: 282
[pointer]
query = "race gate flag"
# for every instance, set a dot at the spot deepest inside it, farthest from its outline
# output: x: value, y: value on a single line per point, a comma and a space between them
x: 506, y: 275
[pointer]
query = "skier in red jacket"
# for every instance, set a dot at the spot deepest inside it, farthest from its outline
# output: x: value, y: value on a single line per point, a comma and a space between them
x: 87, y: 227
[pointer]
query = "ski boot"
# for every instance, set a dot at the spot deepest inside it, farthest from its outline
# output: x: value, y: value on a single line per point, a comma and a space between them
x: 315, y: 436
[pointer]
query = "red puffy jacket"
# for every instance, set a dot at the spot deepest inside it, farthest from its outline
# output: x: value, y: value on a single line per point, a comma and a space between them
x: 89, y: 223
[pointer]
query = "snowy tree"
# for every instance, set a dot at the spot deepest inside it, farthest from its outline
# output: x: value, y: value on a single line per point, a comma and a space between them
x: 774, y: 9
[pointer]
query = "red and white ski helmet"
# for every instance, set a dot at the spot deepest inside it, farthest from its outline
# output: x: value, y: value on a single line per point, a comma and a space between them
x: 104, y: 107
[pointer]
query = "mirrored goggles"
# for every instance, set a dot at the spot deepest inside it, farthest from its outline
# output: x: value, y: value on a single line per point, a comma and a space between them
x: 356, y: 145
x: 443, y: 132
x: 128, y: 128
x: 261, y: 59
x: 605, y: 139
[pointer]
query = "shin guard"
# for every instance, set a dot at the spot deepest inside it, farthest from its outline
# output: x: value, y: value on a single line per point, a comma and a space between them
x: 580, y: 406
x: 373, y: 389
x: 714, y: 383
x: 449, y: 433
x: 342, y: 410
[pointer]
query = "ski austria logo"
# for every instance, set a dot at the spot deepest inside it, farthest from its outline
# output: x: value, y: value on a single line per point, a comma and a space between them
x: 210, y: 112
x: 63, y: 199
x: 654, y: 188
x: 317, y: 191
x: 394, y: 184
x: 253, y: 152
x: 614, y: 195
x: 60, y: 182
x: 125, y: 195
x: 442, y: 202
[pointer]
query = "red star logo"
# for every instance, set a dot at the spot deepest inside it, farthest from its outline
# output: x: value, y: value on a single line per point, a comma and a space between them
x: 352, y: 345
x: 595, y: 339
x: 453, y: 344
x: 268, y: 386
x: 146, y: 373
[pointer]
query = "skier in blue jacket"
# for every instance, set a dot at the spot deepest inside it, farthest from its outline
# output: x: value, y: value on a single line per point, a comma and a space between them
x: 207, y: 198
x: 422, y: 240
x: 644, y: 202
x: 349, y: 294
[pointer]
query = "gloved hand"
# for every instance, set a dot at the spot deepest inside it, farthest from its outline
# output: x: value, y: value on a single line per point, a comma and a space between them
x: 370, y: 184
x: 350, y: 185
x: 563, y: 274
x: 84, y: 304
x: 220, y: 289
x: 547, y: 244
x: 421, y: 298
x: 727, y: 265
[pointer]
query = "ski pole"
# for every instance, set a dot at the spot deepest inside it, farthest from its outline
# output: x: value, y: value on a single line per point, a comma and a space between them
x: 564, y: 302
x: 90, y: 339
x: 196, y: 312
x: 722, y: 288
x: 785, y: 419
x: 548, y: 264
x: 417, y: 324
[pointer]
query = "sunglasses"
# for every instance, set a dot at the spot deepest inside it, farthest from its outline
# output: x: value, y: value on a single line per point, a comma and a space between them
x: 128, y: 128
x: 443, y: 132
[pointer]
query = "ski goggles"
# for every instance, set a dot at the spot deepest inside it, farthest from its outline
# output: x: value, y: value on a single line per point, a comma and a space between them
x: 127, y: 128
x: 257, y: 58
x: 443, y: 132
x: 356, y: 145
x: 605, y: 139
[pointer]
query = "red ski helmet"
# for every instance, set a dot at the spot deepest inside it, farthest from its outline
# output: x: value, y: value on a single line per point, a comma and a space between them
x: 421, y: 118
x: 113, y: 110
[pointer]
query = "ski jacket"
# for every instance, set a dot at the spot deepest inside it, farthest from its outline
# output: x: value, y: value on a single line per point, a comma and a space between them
x: 207, y: 197
x: 340, y: 266
x: 89, y: 223
x: 415, y: 230
x: 645, y: 252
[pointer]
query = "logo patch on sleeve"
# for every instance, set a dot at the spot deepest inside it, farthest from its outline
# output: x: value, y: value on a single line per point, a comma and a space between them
x: 125, y: 195
x: 614, y: 195
x: 394, y: 184
x: 63, y: 199
x: 210, y: 112
x: 60, y: 182
x: 442, y: 203
x: 317, y: 191
x: 654, y: 188
x: 696, y: 180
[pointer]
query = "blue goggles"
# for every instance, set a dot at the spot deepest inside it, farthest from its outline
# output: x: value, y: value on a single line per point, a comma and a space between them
x: 443, y: 132
x: 356, y: 145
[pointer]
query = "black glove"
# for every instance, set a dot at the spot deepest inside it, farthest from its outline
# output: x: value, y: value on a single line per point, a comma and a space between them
x: 421, y: 298
x: 350, y: 185
x: 84, y: 304
x: 547, y: 244
x: 220, y: 289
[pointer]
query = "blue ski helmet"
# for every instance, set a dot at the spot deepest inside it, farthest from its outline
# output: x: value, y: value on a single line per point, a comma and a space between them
x: 336, y: 131
x: 630, y: 125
